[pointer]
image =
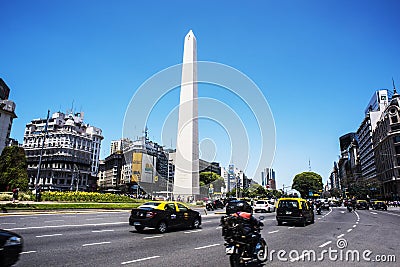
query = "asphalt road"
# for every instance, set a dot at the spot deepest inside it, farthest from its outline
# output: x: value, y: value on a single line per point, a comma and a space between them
x: 106, y: 239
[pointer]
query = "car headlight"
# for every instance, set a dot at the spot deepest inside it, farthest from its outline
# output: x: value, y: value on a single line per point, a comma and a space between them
x: 13, y: 241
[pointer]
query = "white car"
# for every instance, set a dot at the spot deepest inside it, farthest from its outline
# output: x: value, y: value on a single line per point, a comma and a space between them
x: 264, y: 206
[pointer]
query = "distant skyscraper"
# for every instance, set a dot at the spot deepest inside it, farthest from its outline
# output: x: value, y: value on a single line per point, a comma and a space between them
x: 186, y: 181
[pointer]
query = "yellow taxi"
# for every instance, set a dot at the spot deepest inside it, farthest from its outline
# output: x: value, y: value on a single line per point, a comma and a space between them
x: 294, y: 210
x: 163, y: 215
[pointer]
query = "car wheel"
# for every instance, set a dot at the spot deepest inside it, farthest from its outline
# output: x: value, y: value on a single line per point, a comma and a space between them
x: 279, y: 223
x: 139, y: 228
x: 303, y: 223
x: 196, y: 223
x: 162, y: 227
x: 313, y: 220
x: 269, y: 209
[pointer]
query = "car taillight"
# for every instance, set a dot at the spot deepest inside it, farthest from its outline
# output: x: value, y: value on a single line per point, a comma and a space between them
x: 150, y: 214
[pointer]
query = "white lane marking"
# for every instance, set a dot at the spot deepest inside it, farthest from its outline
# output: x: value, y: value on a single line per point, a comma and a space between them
x: 209, y: 246
x: 54, y: 221
x: 273, y: 232
x: 324, y: 244
x: 150, y: 237
x: 28, y: 252
x: 342, y: 211
x: 27, y: 218
x: 349, y: 230
x: 143, y: 259
x: 193, y: 231
x: 101, y: 231
x: 219, y: 227
x: 354, y: 225
x: 340, y: 236
x: 373, y: 213
x: 207, y: 221
x: 357, y: 222
x: 291, y: 227
x: 92, y: 219
x: 390, y: 213
x: 319, y: 218
x: 94, y: 244
x: 8, y: 223
x: 65, y: 225
x: 48, y: 235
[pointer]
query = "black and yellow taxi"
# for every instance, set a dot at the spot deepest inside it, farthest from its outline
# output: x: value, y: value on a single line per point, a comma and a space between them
x: 379, y: 205
x: 362, y: 205
x: 163, y: 215
x: 294, y: 210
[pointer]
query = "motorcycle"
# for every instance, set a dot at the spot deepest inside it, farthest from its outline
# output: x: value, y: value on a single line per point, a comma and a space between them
x: 349, y: 208
x: 319, y: 210
x: 209, y: 205
x: 241, y: 246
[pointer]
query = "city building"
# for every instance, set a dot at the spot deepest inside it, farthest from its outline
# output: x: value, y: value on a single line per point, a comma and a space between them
x: 62, y: 152
x: 334, y: 181
x: 7, y: 115
x: 377, y: 104
x: 349, y: 169
x: 145, y: 167
x: 268, y: 179
x: 386, y: 140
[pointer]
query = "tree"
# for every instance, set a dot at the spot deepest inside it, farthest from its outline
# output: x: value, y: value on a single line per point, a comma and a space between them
x: 306, y: 182
x: 208, y: 178
x: 13, y: 169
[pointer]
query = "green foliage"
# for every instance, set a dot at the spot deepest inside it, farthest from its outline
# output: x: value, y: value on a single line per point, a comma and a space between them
x: 13, y: 169
x: 307, y: 181
x: 208, y: 178
x: 85, y: 197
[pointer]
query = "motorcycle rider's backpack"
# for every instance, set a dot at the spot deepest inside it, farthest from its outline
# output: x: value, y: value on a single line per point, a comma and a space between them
x: 236, y: 226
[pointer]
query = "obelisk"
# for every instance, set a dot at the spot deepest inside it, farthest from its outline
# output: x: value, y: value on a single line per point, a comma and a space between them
x: 186, y: 179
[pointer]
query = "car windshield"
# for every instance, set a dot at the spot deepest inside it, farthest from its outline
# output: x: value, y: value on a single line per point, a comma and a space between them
x: 150, y: 205
x: 288, y: 204
x: 260, y: 202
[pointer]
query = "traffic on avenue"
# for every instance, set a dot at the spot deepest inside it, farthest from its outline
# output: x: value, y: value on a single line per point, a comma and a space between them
x: 336, y: 236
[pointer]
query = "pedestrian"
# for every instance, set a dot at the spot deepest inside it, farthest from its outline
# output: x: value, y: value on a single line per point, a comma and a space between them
x: 38, y: 193
x: 15, y: 195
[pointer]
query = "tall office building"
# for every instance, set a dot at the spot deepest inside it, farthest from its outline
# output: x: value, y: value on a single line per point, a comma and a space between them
x: 377, y: 104
x: 7, y: 115
x: 70, y: 152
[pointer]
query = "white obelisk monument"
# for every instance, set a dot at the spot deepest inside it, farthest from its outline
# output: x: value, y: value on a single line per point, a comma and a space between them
x: 186, y: 179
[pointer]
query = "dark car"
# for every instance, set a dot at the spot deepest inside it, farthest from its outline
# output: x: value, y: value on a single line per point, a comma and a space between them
x: 163, y: 215
x: 10, y: 247
x: 294, y: 210
x: 218, y: 204
x: 379, y: 205
x: 362, y: 205
x: 238, y: 205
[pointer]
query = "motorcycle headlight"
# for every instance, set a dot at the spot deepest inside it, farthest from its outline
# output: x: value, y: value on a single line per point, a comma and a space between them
x: 13, y: 241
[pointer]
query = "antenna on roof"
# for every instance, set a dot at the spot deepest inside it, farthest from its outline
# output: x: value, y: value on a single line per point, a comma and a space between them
x: 309, y: 164
x: 394, y: 87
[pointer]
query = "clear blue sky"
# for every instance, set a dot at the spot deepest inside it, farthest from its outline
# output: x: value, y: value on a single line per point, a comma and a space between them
x: 316, y: 62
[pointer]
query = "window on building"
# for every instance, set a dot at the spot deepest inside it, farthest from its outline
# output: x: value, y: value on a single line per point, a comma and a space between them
x: 394, y: 119
x: 396, y: 139
x: 397, y: 149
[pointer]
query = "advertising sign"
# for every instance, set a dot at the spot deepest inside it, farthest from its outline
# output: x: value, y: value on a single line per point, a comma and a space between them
x: 136, y: 167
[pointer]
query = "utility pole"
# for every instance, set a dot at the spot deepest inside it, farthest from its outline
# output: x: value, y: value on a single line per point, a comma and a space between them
x: 41, y: 150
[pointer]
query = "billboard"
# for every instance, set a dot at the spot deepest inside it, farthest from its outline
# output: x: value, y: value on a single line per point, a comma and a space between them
x: 136, y: 167
x: 148, y: 168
